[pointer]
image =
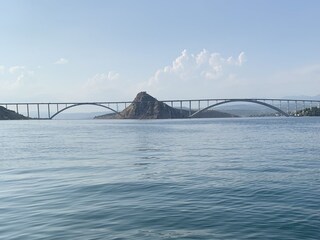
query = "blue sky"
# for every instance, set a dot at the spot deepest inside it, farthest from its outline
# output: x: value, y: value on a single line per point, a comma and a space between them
x: 110, y: 50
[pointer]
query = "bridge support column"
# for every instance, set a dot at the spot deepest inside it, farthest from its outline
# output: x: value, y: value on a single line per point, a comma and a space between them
x: 49, y: 110
x: 38, y: 107
x: 189, y: 107
x: 180, y: 107
x: 17, y: 108
x: 28, y: 114
x: 288, y: 107
x: 280, y: 105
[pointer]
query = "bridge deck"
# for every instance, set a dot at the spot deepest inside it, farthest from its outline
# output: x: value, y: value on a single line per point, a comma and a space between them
x: 47, y: 110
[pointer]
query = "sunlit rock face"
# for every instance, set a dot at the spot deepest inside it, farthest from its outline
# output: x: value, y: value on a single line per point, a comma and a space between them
x: 145, y: 106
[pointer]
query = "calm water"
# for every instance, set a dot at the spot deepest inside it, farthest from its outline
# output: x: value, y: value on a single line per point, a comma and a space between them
x: 178, y: 179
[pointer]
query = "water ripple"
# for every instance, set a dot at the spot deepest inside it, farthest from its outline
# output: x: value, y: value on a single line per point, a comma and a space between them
x: 197, y: 179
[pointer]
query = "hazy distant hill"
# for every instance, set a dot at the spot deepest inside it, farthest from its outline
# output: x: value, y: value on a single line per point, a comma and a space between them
x: 6, y: 114
x: 304, y: 97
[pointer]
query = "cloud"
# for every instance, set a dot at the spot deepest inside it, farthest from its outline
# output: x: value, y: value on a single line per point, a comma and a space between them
x: 2, y: 69
x: 16, y: 69
x: 102, y: 80
x: 204, y: 64
x: 242, y: 58
x: 18, y: 82
x: 189, y: 73
x: 101, y: 86
x: 61, y: 61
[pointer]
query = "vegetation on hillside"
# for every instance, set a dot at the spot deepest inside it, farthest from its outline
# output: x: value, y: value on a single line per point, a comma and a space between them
x: 6, y: 114
x: 314, y: 111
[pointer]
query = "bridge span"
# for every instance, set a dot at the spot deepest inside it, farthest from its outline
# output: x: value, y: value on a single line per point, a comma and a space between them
x: 49, y: 110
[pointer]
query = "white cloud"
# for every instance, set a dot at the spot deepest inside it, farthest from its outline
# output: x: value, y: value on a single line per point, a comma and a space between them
x: 201, y: 75
x: 61, y: 61
x: 204, y: 64
x: 16, y: 69
x: 194, y: 73
x: 17, y: 83
x: 242, y: 58
x: 102, y: 80
x: 103, y: 86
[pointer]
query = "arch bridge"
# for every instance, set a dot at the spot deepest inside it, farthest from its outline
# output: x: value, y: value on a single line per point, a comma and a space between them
x: 45, y: 110
x: 283, y: 107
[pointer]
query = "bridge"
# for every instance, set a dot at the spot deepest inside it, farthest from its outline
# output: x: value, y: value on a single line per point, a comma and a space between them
x: 49, y: 110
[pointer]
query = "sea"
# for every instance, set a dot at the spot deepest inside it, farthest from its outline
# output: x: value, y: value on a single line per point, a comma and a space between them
x: 234, y: 178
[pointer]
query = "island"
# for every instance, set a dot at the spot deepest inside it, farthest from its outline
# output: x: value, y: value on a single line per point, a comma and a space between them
x: 6, y: 114
x: 310, y: 112
x: 144, y: 106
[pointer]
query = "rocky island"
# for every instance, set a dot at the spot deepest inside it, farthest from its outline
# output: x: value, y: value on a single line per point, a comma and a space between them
x: 144, y: 106
x: 6, y: 114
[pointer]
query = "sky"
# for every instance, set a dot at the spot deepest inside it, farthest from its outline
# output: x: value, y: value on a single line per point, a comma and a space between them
x: 100, y: 50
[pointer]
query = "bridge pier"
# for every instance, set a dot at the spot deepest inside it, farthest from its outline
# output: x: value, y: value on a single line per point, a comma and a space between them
x: 28, y: 113
x: 49, y: 110
x: 280, y: 105
x: 38, y: 111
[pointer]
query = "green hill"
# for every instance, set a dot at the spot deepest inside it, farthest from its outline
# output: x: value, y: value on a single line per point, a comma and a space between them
x: 314, y: 111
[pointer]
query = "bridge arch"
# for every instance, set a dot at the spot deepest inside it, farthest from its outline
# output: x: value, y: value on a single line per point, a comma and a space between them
x: 81, y: 104
x: 241, y: 100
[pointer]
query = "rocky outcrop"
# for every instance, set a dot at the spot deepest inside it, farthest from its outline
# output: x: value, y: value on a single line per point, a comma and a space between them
x: 6, y: 114
x: 145, y: 106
